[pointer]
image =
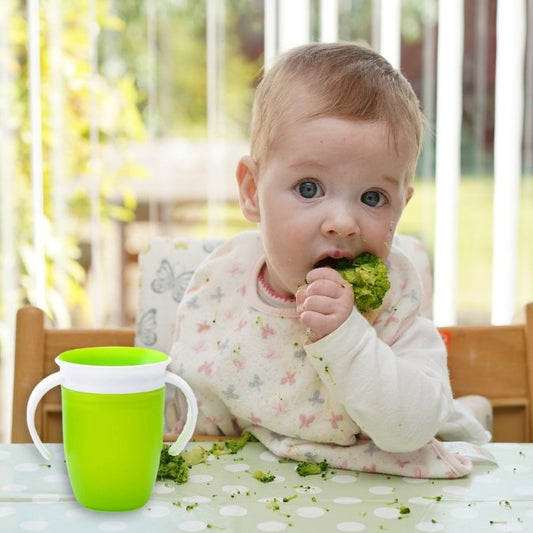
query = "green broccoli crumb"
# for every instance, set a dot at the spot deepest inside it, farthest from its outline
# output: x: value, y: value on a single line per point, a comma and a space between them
x: 172, y: 467
x: 273, y: 504
x: 404, y: 510
x: 264, y: 477
x: 289, y: 498
x: 305, y: 468
x: 231, y: 446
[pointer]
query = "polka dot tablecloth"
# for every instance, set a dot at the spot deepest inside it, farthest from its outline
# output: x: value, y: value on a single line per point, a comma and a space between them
x: 224, y: 496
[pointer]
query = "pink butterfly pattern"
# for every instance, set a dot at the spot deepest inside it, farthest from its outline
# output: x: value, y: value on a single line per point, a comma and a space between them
x: 255, y: 360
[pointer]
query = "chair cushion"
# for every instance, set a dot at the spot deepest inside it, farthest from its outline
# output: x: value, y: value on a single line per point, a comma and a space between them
x: 165, y: 269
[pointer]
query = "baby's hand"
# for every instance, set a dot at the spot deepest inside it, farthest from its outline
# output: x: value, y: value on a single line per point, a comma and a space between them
x: 324, y: 303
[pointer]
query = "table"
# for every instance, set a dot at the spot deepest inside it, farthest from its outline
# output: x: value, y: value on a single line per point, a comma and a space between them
x: 224, y: 496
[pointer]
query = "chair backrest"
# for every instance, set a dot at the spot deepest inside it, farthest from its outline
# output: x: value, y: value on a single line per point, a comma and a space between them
x: 165, y: 269
x: 496, y: 362
x: 36, y: 347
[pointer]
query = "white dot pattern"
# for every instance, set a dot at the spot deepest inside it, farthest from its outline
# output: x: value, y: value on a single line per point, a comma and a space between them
x: 223, y: 495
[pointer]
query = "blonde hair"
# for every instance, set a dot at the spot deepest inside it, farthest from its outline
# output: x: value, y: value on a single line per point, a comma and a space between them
x: 344, y: 80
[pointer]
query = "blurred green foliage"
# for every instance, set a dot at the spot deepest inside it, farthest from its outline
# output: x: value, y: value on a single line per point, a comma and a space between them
x: 87, y: 100
x: 146, y: 78
x: 164, y: 45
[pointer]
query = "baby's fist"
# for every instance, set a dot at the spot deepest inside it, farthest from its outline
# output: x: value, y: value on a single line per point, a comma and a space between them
x: 324, y: 303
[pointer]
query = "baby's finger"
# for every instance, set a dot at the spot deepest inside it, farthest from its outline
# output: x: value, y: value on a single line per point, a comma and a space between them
x: 320, y: 304
x: 318, y: 325
x: 317, y: 321
x: 326, y: 287
x: 323, y: 273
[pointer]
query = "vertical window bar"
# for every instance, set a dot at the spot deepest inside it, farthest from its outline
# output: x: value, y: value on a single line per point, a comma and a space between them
x: 270, y: 32
x: 8, y: 270
x: 37, y: 194
x: 58, y: 142
x: 375, y: 30
x: 216, y: 53
x: 448, y: 161
x: 151, y: 55
x: 390, y: 34
x: 97, y: 298
x: 427, y: 160
x: 508, y: 122
x: 329, y: 20
x: 294, y: 23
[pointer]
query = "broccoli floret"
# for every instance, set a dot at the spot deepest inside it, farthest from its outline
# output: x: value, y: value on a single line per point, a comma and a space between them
x: 264, y: 477
x: 172, y: 466
x: 231, y: 446
x: 367, y: 274
x: 304, y: 468
x: 176, y: 467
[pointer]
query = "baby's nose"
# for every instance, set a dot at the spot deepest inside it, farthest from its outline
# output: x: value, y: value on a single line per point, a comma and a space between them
x: 341, y: 221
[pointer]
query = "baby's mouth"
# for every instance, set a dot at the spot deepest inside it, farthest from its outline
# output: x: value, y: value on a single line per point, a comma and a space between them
x: 326, y: 262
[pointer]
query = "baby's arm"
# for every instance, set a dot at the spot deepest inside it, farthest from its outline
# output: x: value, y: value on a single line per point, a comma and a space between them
x: 399, y: 395
x: 324, y: 303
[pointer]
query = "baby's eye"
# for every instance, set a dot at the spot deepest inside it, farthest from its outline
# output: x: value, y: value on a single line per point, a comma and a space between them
x: 374, y: 198
x: 309, y: 189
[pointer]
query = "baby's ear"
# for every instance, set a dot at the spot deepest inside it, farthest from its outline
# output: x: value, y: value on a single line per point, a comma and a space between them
x: 247, y: 175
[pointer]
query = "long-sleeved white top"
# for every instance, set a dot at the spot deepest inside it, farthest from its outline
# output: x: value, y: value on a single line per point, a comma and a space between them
x: 382, y: 375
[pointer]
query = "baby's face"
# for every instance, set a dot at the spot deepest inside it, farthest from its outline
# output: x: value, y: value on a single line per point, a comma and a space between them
x: 330, y: 188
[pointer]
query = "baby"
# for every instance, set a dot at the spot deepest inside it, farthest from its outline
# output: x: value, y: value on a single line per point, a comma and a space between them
x: 267, y: 334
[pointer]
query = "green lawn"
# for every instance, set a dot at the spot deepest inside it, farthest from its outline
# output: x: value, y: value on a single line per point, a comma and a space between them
x: 474, y: 277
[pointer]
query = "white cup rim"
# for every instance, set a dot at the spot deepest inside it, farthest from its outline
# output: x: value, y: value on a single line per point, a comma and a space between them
x: 83, y: 376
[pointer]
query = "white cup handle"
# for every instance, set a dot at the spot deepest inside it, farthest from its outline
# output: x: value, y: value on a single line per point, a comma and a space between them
x: 49, y: 382
x: 192, y: 413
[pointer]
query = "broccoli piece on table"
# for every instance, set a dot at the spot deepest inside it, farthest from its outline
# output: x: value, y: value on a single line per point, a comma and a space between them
x: 264, y: 477
x: 176, y: 467
x: 195, y: 455
x: 304, y: 468
x: 367, y: 274
x: 172, y: 466
x: 231, y: 446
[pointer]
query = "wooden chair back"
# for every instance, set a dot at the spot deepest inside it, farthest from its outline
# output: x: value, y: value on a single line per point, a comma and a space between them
x: 36, y: 347
x: 494, y: 361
